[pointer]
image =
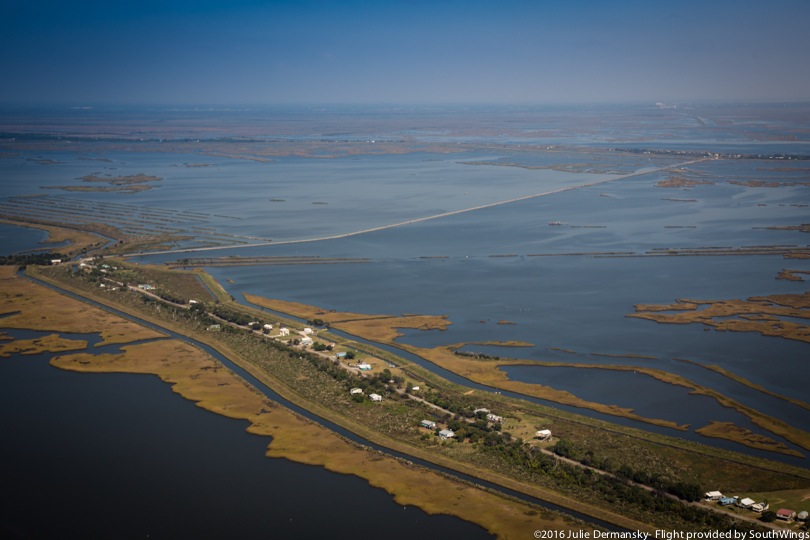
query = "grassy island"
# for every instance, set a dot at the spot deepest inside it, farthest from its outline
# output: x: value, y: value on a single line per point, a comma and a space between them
x: 198, y: 377
x: 627, y: 461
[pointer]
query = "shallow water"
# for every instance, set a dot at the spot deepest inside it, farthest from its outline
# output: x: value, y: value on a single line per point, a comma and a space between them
x: 564, y: 288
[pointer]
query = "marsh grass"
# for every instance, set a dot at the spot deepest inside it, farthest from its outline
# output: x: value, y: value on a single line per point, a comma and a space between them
x: 37, y: 308
x: 283, y: 370
x: 50, y: 343
x: 79, y: 241
x: 196, y: 376
x: 487, y: 371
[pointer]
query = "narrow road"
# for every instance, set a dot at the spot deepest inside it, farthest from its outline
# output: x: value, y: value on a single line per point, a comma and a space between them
x: 328, y: 356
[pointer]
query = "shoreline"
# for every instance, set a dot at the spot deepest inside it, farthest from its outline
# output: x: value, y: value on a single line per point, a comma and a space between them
x: 204, y: 391
x: 383, y: 329
x: 213, y: 340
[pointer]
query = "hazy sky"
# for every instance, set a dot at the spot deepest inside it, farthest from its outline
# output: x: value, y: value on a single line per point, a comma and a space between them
x: 432, y: 51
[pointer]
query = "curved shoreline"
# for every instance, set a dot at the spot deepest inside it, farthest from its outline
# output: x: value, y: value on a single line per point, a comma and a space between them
x: 364, y: 432
x: 212, y: 339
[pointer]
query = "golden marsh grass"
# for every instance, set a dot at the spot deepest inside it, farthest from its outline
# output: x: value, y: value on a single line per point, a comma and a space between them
x: 198, y: 377
x: 33, y: 307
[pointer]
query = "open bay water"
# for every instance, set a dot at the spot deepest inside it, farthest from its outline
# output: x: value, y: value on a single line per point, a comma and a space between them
x: 577, y: 304
x: 507, y: 264
x: 14, y: 239
x: 286, y: 198
x: 122, y: 456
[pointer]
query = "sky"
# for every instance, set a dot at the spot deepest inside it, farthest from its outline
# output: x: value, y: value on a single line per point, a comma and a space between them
x: 243, y: 52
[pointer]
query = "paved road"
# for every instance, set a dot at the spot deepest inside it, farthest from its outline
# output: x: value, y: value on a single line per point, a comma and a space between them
x: 329, y: 356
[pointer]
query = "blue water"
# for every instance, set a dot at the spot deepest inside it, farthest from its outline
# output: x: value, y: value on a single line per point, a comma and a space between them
x: 122, y: 456
x: 15, y: 239
x: 555, y: 283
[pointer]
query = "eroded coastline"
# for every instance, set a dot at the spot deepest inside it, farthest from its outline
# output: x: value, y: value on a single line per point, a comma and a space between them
x: 197, y: 377
x: 384, y: 329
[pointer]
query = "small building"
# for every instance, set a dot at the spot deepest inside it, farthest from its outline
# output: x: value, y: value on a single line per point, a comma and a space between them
x: 430, y: 424
x: 375, y: 397
x: 340, y: 355
x: 712, y: 495
x: 267, y: 327
x: 355, y: 391
x: 482, y: 411
x: 192, y: 302
x: 543, y: 434
x: 727, y: 501
x: 364, y: 367
x: 746, y: 503
x: 146, y: 287
x: 802, y: 516
x: 307, y: 330
x: 447, y: 434
x: 306, y: 341
x: 284, y: 331
x: 414, y: 389
x: 785, y: 514
x: 760, y: 507
x: 56, y: 261
x: 494, y: 418
x: 214, y: 328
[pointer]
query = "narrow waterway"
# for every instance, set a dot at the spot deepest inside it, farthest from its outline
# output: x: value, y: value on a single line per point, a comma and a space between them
x: 329, y: 425
x: 122, y: 456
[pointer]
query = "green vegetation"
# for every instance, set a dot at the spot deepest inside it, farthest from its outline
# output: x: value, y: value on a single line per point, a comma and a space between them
x: 24, y: 259
x: 624, y: 457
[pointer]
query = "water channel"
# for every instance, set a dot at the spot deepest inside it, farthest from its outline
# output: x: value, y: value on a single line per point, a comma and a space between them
x: 164, y: 435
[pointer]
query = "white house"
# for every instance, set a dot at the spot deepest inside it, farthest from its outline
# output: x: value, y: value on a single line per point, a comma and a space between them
x: 494, y: 418
x: 447, y: 434
x: 415, y: 389
x: 284, y: 331
x: 543, y: 434
x: 712, y: 495
x: 306, y: 341
x: 364, y: 367
x: 746, y: 503
x: 355, y: 391
x: 760, y: 507
x: 267, y: 327
x: 307, y: 330
x: 430, y: 424
x: 375, y: 397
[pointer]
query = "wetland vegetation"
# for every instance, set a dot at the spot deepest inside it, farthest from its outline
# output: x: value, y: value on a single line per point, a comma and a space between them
x: 620, y: 472
x: 505, y: 455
